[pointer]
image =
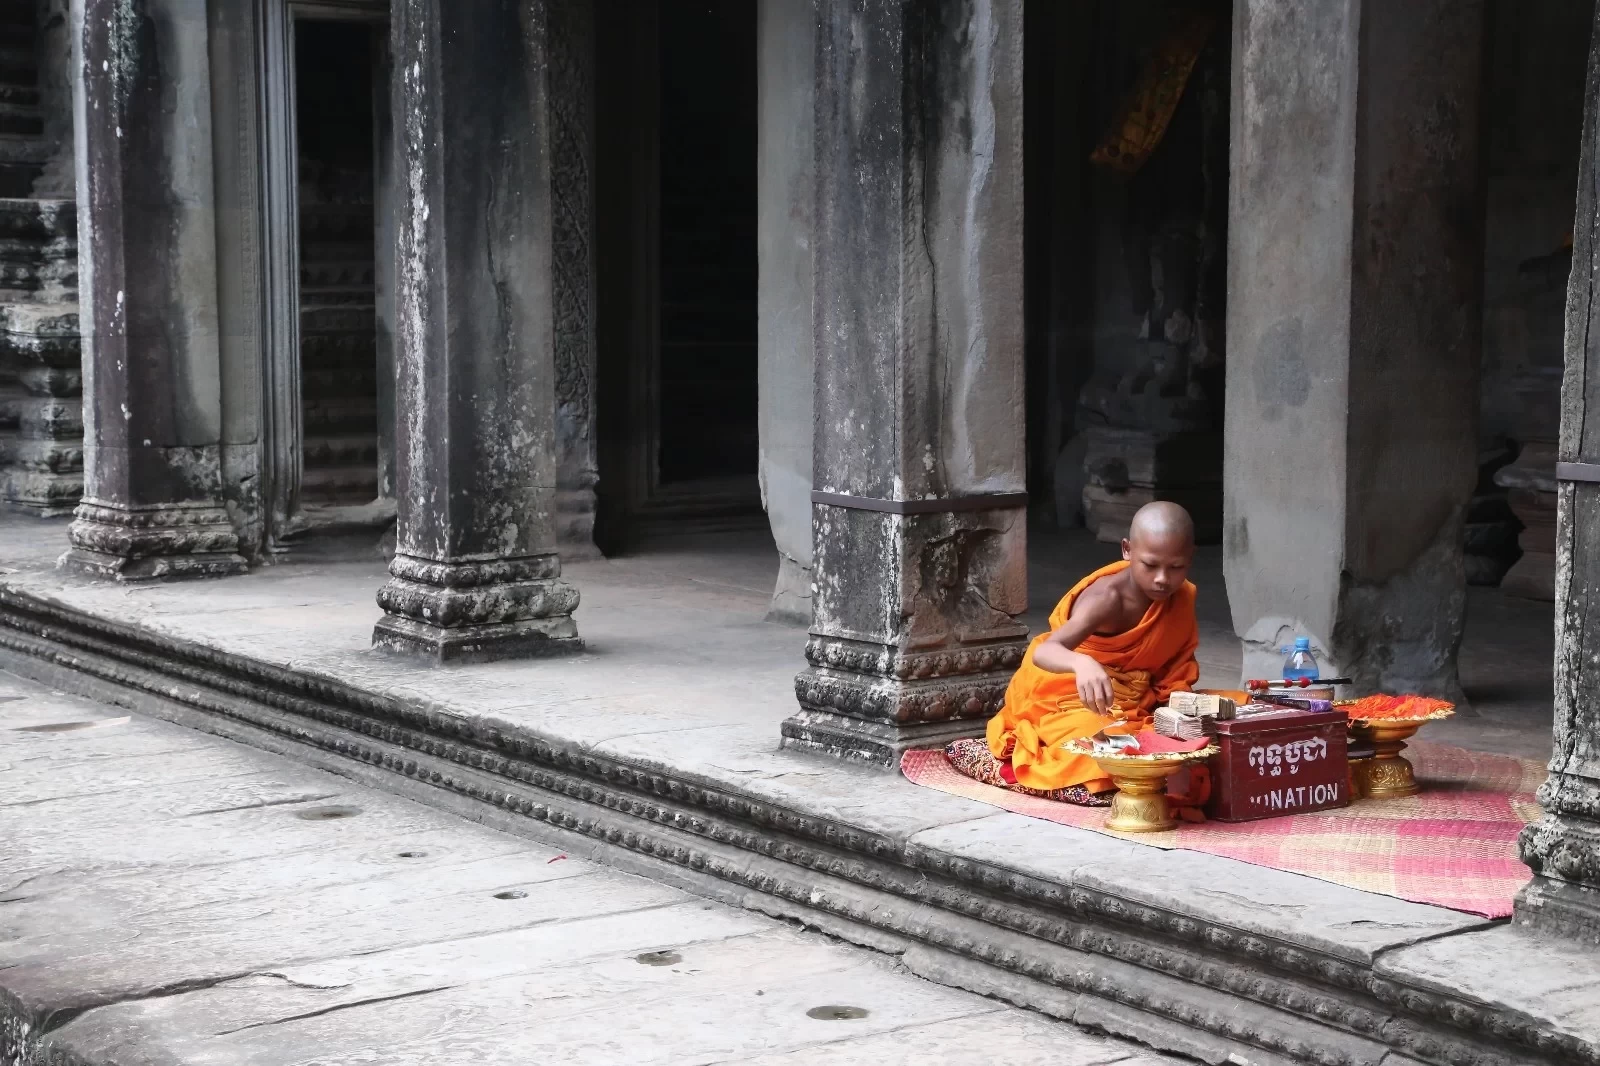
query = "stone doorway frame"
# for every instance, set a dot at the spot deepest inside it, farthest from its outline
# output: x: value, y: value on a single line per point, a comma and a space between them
x: 282, y: 399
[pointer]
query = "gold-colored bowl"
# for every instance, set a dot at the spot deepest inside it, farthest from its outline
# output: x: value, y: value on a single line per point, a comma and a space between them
x: 1389, y: 775
x: 1140, y: 805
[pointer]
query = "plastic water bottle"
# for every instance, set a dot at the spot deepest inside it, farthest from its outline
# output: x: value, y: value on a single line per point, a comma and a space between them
x: 1300, y: 663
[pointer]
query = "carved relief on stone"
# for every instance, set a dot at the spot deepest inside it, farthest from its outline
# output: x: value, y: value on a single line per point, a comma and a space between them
x: 571, y: 51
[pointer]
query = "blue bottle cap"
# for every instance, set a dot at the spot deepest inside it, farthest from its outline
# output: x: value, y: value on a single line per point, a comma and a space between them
x: 1302, y: 643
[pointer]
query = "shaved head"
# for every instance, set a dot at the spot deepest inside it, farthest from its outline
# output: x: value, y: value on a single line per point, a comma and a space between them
x: 1159, y: 549
x: 1161, y: 522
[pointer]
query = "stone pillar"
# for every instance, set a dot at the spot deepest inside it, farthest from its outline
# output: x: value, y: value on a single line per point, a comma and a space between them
x: 386, y: 198
x: 572, y: 45
x: 475, y: 574
x: 918, y: 510
x: 1563, y: 847
x: 148, y: 295
x: 785, y: 179
x: 236, y: 114
x: 1355, y: 236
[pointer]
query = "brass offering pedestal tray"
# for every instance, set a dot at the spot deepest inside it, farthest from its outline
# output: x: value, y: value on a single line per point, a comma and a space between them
x: 1388, y: 774
x: 1140, y: 805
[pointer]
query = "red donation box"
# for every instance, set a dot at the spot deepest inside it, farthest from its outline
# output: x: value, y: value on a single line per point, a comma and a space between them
x: 1270, y: 765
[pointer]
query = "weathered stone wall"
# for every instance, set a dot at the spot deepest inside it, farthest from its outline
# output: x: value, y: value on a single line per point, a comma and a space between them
x: 1354, y: 324
x: 786, y: 180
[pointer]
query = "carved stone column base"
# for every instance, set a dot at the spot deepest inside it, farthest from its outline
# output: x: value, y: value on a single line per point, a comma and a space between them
x: 538, y: 638
x: 1560, y: 909
x: 874, y: 743
x: 1563, y: 850
x: 165, y: 542
x: 477, y: 611
x: 875, y: 719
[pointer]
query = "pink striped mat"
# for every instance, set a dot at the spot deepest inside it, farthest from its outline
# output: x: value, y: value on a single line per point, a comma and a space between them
x: 1455, y: 845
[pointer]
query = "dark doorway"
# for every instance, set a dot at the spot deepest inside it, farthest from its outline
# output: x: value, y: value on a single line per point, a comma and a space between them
x: 334, y: 121
x: 708, y: 241
x: 1126, y: 179
x: 675, y: 180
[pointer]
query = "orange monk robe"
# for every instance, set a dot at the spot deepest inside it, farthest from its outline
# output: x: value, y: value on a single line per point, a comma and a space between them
x: 1042, y: 710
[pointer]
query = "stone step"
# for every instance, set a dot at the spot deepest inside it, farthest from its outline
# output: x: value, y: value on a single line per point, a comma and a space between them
x: 52, y: 250
x: 325, y: 250
x: 320, y: 225
x: 11, y: 397
x: 339, y: 380
x: 1221, y: 960
x: 22, y: 119
x: 356, y: 482
x: 17, y: 67
x: 34, y: 277
x: 353, y: 318
x: 344, y: 354
x: 24, y: 95
x: 15, y: 148
x: 331, y: 294
x: 331, y: 417
x: 50, y: 418
x: 343, y: 450
x: 18, y: 179
x: 48, y: 455
x: 65, y: 382
x: 333, y: 275
x: 38, y: 219
x: 42, y: 493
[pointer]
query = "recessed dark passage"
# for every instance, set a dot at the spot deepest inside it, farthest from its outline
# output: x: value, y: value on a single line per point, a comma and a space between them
x: 338, y: 332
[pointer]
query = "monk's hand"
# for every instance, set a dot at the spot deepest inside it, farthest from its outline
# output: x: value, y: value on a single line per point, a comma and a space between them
x: 1094, y: 686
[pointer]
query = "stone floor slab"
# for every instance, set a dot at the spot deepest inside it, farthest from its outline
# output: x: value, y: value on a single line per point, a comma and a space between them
x: 154, y: 933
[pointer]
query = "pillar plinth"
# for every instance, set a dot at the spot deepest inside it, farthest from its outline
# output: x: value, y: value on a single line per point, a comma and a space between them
x: 152, y: 505
x: 1563, y: 847
x: 476, y: 574
x: 918, y: 514
x: 508, y: 608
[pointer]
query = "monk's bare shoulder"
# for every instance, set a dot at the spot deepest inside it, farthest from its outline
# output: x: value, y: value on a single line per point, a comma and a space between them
x: 1098, y: 606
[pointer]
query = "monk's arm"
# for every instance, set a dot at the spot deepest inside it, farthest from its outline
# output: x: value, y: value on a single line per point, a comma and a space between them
x: 1059, y: 654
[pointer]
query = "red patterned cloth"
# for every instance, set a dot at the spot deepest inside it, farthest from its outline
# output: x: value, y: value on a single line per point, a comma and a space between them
x: 973, y: 758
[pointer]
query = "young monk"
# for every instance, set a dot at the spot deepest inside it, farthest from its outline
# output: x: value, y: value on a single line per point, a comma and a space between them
x: 1121, y: 641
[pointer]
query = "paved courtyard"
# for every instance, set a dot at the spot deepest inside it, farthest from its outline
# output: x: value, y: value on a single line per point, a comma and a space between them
x: 169, y: 897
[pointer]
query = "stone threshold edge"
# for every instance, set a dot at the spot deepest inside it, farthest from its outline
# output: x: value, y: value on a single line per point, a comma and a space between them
x: 1173, y: 981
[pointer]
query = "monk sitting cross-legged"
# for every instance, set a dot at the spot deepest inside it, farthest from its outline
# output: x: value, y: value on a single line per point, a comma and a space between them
x: 1121, y: 641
